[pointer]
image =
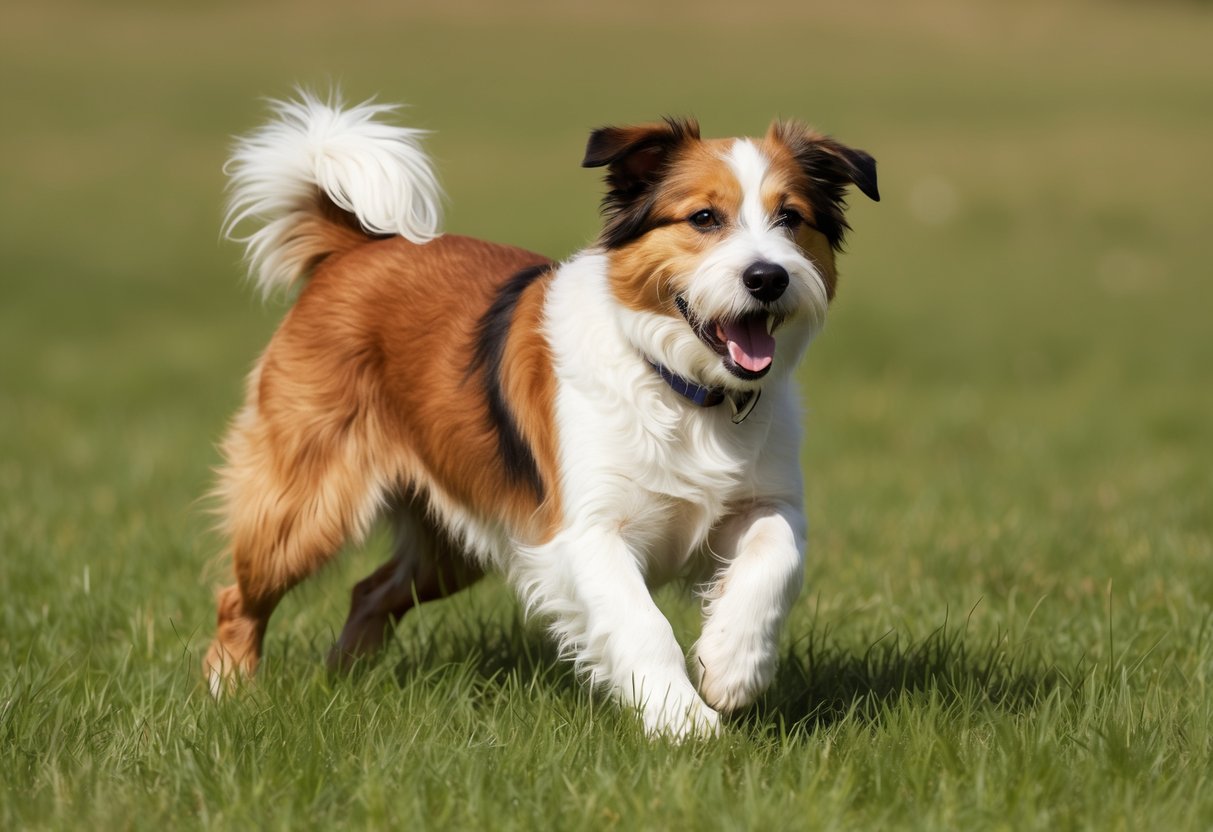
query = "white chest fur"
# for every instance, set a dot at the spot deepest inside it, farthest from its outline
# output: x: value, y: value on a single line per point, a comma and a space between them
x: 636, y: 457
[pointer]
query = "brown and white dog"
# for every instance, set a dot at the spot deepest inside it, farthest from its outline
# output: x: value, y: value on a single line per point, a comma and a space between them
x: 588, y: 429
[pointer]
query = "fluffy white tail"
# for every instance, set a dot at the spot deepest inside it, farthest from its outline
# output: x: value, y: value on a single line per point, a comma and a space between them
x: 314, y: 152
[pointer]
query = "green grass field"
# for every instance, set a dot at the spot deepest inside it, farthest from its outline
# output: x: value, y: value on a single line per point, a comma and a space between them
x: 1008, y: 616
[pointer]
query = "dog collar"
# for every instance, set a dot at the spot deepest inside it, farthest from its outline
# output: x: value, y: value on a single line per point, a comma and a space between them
x: 742, y: 405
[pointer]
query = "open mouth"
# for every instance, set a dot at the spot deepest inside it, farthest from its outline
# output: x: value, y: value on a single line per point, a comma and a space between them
x: 745, y: 343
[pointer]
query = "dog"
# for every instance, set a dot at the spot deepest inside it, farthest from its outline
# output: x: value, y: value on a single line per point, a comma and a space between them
x: 588, y: 429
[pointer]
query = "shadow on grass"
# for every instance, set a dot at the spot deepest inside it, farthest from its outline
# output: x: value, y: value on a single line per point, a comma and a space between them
x: 491, y: 647
x: 820, y: 680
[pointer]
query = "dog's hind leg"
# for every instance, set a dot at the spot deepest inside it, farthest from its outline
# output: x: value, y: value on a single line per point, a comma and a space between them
x: 425, y: 564
x: 289, y: 502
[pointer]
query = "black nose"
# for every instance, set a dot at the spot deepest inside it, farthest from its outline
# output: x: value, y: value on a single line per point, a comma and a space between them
x: 765, y: 281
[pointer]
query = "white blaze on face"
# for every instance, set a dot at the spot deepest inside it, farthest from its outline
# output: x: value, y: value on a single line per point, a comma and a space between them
x: 749, y: 343
x: 750, y: 167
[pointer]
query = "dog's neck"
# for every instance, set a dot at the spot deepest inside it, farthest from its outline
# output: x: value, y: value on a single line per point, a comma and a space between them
x: 742, y: 403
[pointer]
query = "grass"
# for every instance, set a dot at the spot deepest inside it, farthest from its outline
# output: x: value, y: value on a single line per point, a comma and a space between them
x: 1007, y: 621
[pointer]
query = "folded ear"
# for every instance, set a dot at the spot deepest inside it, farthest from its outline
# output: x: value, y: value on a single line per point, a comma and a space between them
x: 635, y: 158
x: 825, y: 157
x: 635, y: 154
x: 829, y: 167
x: 861, y: 166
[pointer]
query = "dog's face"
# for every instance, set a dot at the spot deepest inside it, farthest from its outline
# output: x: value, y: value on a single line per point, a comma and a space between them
x: 722, y: 251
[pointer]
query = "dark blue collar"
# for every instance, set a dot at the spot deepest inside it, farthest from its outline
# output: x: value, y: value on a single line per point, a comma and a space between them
x: 743, y: 404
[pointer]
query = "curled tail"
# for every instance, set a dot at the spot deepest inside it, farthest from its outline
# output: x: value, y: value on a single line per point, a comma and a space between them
x: 319, y: 179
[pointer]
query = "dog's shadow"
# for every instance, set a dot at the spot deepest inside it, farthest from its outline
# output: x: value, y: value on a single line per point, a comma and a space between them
x: 496, y: 650
x: 821, y: 679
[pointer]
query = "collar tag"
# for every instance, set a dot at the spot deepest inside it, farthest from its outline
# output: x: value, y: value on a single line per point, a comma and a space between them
x: 745, y: 406
x: 742, y: 405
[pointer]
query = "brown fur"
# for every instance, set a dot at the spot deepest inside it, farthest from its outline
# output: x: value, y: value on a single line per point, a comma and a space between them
x: 530, y: 379
x: 786, y: 186
x: 363, y: 395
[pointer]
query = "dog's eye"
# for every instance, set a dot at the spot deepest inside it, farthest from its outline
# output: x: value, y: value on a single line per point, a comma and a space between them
x: 789, y: 219
x: 704, y: 220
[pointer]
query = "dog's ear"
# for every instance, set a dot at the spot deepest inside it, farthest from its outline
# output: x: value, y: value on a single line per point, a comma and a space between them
x: 829, y: 167
x: 635, y: 158
x: 858, y: 166
x: 827, y: 159
x: 636, y: 154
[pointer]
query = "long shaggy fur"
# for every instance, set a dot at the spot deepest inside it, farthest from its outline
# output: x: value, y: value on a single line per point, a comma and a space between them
x: 317, y: 150
x: 506, y: 413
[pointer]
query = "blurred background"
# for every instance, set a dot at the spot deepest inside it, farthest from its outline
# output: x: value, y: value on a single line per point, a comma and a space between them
x: 1012, y: 400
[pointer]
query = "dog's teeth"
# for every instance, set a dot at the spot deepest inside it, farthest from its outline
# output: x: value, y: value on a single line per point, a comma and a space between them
x: 770, y: 324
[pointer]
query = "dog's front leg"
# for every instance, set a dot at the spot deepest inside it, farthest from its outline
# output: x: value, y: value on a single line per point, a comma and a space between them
x: 747, y: 601
x: 590, y: 583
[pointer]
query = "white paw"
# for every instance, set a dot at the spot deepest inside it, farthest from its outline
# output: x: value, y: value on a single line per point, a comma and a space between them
x: 215, y: 683
x: 731, y: 675
x: 680, y: 718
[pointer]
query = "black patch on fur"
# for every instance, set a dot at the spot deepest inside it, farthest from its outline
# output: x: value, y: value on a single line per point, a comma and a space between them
x: 638, y: 159
x: 491, y: 335
x: 829, y: 167
x: 627, y: 223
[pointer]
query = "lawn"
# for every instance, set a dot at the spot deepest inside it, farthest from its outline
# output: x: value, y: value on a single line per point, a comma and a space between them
x: 1008, y: 613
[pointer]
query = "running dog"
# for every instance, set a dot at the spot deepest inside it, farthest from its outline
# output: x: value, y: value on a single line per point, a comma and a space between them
x: 588, y: 429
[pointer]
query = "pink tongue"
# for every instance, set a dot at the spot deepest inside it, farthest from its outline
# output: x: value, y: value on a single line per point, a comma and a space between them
x: 750, y: 346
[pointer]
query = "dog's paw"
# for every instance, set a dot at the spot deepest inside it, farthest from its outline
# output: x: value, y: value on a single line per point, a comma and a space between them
x: 680, y: 719
x: 224, y: 672
x: 732, y: 676
x: 220, y: 671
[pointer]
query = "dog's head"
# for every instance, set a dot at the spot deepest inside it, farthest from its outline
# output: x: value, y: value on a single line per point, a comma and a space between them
x: 722, y: 251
